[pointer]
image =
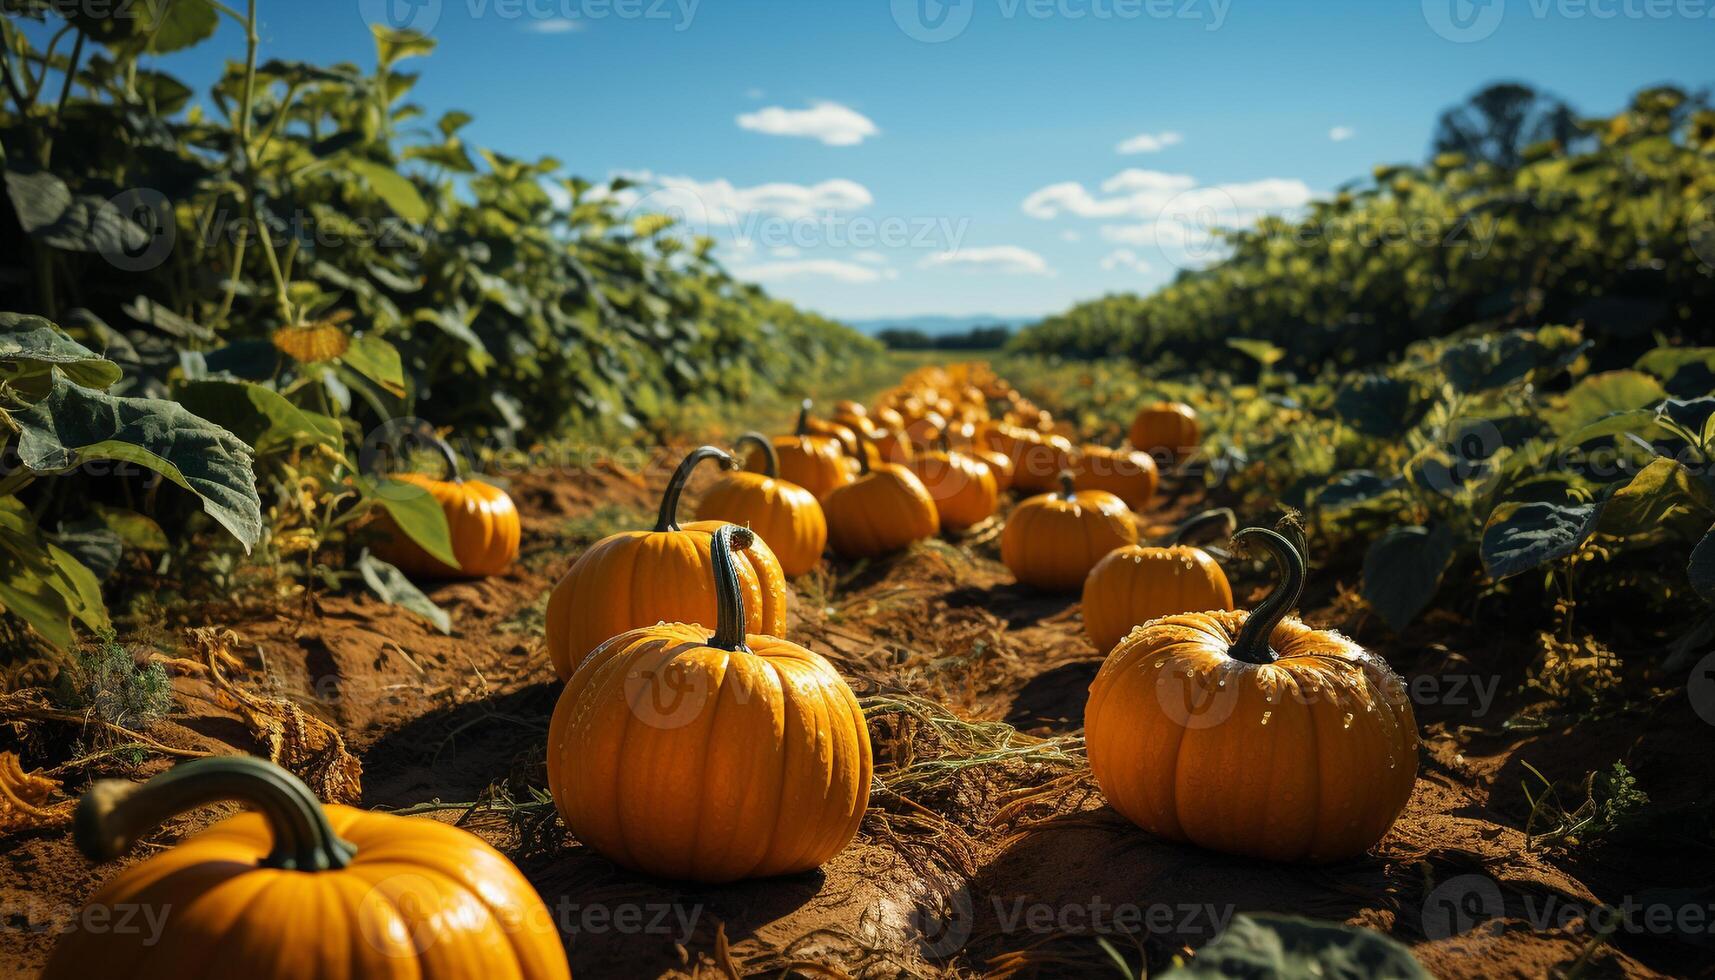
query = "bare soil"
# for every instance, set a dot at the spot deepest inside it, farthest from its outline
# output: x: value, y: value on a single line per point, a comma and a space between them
x: 1006, y: 861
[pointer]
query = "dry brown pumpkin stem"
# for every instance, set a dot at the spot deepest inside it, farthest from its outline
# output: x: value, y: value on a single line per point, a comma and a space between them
x: 1252, y: 645
x: 1219, y: 515
x: 668, y: 519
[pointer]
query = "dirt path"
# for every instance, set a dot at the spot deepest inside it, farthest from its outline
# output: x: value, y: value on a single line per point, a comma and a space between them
x: 987, y: 847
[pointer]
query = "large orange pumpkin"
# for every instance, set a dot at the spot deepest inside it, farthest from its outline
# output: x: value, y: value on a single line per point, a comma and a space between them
x: 1037, y: 458
x: 1052, y: 541
x: 785, y: 515
x: 710, y: 757
x: 1169, y: 431
x: 818, y: 463
x: 1253, y: 733
x: 963, y: 487
x: 1138, y: 583
x: 482, y: 524
x: 1128, y: 474
x: 297, y: 890
x: 883, y: 510
x: 639, y: 578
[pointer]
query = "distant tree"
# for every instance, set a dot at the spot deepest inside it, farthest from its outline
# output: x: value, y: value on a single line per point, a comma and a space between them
x: 1497, y: 124
x: 904, y: 338
x: 977, y: 338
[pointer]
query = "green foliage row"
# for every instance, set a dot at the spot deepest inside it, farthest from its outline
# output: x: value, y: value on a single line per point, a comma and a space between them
x: 1619, y: 238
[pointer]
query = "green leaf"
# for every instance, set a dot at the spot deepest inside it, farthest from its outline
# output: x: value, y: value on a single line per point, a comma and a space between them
x: 33, y: 340
x: 394, y: 189
x: 1258, y: 945
x: 147, y: 311
x: 418, y: 514
x: 159, y: 26
x: 1376, y: 405
x: 138, y: 531
x: 1355, y: 487
x: 1402, y: 570
x: 377, y: 360
x: 1261, y: 351
x: 1601, y: 395
x: 42, y: 584
x: 1639, y: 421
x: 94, y: 546
x: 54, y: 216
x: 1663, y: 495
x: 1520, y: 537
x: 74, y: 425
x: 393, y: 46
x: 391, y: 585
x: 260, y: 416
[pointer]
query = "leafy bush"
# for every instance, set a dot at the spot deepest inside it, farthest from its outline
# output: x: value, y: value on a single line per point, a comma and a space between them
x: 105, y: 682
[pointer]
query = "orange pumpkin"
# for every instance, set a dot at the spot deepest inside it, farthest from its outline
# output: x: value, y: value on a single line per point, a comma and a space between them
x: 1253, y: 733
x: 963, y: 487
x: 482, y: 525
x: 639, y: 578
x: 710, y: 757
x: 785, y: 515
x: 888, y: 417
x: 999, y: 464
x: 1037, y: 458
x: 883, y: 510
x: 846, y: 406
x: 1138, y: 583
x: 890, y: 447
x: 1052, y: 541
x: 298, y: 890
x: 1166, y: 430
x: 1126, y: 473
x: 926, y: 430
x: 818, y: 463
x: 823, y: 427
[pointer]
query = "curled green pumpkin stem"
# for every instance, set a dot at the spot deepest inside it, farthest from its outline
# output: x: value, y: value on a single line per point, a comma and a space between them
x: 669, y: 516
x: 729, y: 590
x: 803, y: 427
x: 114, y: 813
x: 1219, y: 515
x: 770, y: 458
x: 1252, y: 644
x: 448, y: 457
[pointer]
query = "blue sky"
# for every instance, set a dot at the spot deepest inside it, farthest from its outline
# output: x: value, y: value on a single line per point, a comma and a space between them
x: 857, y: 166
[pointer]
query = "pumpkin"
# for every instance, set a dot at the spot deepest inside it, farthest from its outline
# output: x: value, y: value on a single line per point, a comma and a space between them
x: 482, y: 525
x: 1166, y: 430
x: 710, y: 757
x: 785, y: 515
x: 963, y: 487
x: 818, y: 463
x: 926, y: 430
x: 847, y: 407
x: 890, y: 447
x: 1252, y: 733
x: 1138, y: 583
x: 298, y: 889
x: 823, y: 427
x: 1037, y: 458
x: 883, y: 510
x: 888, y: 417
x: 1126, y: 473
x: 999, y: 464
x: 639, y: 578
x: 1052, y: 541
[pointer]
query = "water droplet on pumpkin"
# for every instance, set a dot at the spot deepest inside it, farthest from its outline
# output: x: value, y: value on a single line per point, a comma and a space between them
x: 1347, y: 721
x: 1221, y: 683
x: 1391, y: 763
x: 1266, y: 715
x: 1161, y: 663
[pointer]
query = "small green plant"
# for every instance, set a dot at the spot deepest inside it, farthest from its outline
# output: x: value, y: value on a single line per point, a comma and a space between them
x: 1611, y: 802
x: 105, y: 682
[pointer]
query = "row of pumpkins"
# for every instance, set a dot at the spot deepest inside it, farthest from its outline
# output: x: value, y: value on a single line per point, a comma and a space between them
x: 692, y: 740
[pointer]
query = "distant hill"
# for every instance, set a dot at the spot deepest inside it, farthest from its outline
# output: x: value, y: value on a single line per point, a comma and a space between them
x: 935, y: 324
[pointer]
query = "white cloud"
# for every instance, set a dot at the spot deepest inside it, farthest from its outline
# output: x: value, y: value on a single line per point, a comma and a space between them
x: 836, y: 269
x: 784, y: 252
x: 1124, y: 258
x: 1010, y: 259
x: 830, y: 122
x: 711, y: 205
x: 553, y: 25
x: 1149, y: 143
x: 870, y: 257
x: 1071, y: 236
x: 1341, y: 134
x: 1169, y: 211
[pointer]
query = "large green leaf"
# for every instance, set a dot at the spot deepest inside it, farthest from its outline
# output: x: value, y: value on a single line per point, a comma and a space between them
x: 418, y: 514
x: 75, y: 425
x: 1355, y: 487
x: 394, y: 189
x: 391, y: 585
x: 1376, y: 404
x: 1663, y: 494
x: 1521, y: 537
x: 1601, y: 395
x: 41, y: 583
x: 159, y: 26
x: 50, y: 213
x: 1402, y: 570
x: 1280, y: 946
x: 30, y: 341
x: 377, y: 360
x: 260, y: 416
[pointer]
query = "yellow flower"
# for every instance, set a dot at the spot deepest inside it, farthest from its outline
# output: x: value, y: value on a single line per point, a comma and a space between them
x: 320, y: 340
